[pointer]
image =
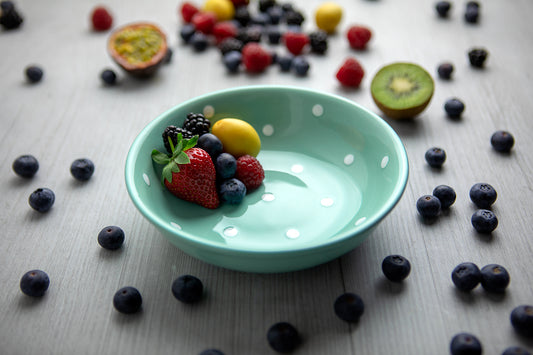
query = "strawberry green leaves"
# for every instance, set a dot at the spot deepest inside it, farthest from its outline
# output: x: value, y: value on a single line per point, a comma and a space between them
x: 178, y: 157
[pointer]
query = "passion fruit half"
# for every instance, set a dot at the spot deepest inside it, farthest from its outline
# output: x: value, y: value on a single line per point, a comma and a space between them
x: 139, y: 48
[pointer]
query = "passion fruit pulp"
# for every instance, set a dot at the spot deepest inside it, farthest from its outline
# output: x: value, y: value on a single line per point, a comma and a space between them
x: 139, y: 48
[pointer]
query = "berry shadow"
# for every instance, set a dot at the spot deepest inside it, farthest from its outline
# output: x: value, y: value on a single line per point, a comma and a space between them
x: 26, y: 302
x: 388, y: 287
x: 124, y: 319
x: 105, y: 255
x: 468, y: 297
x: 17, y: 182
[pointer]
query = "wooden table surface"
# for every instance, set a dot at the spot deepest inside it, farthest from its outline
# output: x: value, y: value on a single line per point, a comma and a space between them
x: 70, y: 114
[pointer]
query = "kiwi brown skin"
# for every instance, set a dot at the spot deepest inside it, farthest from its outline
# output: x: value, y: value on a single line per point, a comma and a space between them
x: 407, y: 112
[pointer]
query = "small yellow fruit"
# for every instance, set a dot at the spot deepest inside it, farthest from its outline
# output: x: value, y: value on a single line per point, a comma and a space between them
x: 238, y: 137
x: 328, y: 16
x: 223, y: 9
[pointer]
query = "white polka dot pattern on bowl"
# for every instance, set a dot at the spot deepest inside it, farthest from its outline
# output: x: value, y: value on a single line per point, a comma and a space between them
x: 146, y: 179
x: 209, y: 111
x: 317, y: 110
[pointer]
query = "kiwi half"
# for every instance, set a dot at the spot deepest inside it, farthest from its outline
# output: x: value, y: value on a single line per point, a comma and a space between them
x: 402, y: 90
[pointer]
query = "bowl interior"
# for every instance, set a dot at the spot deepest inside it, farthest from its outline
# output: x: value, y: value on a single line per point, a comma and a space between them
x: 332, y: 170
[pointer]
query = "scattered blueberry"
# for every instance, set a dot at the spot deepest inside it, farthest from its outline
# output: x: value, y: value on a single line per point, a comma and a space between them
x: 283, y: 337
x: 502, y: 141
x: 273, y: 34
x: 443, y: 8
x: 483, y: 194
x: 168, y: 56
x: 111, y: 237
x: 211, y: 352
x: 186, y: 32
x: 211, y: 144
x: 445, y: 194
x: 225, y: 165
x: 445, y: 70
x: 477, y: 57
x: 232, y: 191
x: 484, y: 221
x: 10, y: 18
x: 232, y: 60
x: 349, y: 307
x: 516, y: 350
x: 428, y: 206
x: 275, y: 13
x: 108, y: 76
x: 396, y: 268
x: 466, y: 276
x: 465, y: 344
x: 470, y: 4
x: 454, y: 107
x: 285, y: 62
x: 472, y: 14
x: 188, y: 289
x: 300, y: 65
x: 34, y: 73
x: 42, y: 199
x: 82, y: 169
x: 34, y: 283
x: 435, y: 157
x: 522, y: 320
x: 199, y: 41
x: 25, y: 166
x: 494, y: 278
x: 127, y: 300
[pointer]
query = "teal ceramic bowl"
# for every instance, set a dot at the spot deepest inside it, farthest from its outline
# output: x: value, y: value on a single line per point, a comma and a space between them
x: 333, y: 171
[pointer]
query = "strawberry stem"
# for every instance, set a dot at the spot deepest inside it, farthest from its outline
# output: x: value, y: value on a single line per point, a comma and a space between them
x: 178, y: 157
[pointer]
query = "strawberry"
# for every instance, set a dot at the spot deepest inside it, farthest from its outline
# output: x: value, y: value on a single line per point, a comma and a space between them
x: 255, y: 58
x: 295, y: 42
x: 358, y: 36
x: 101, y: 19
x: 250, y: 172
x: 189, y: 173
x: 350, y: 73
x: 188, y: 10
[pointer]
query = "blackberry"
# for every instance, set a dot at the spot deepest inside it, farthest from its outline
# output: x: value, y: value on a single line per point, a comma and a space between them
x: 172, y: 132
x: 230, y: 44
x: 477, y: 57
x: 250, y: 34
x: 294, y: 17
x: 242, y: 15
x: 9, y: 17
x: 318, y: 41
x: 264, y: 5
x: 197, y: 124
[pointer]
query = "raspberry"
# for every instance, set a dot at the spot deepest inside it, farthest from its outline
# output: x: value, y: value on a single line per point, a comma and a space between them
x: 223, y: 30
x: 187, y: 11
x: 295, y: 42
x: 101, y: 19
x: 255, y: 58
x: 204, y: 21
x: 350, y: 73
x: 250, y: 172
x: 358, y: 36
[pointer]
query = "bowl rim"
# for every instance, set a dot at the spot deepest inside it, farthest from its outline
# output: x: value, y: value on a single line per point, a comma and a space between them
x: 369, y: 223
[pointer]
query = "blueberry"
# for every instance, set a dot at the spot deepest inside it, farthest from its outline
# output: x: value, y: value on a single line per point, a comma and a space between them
x: 111, y: 237
x: 454, y: 107
x: 494, y: 278
x: 261, y: 19
x: 285, y: 62
x: 435, y: 157
x: 443, y: 7
x: 515, y: 350
x: 226, y: 165
x: 283, y: 337
x: 396, y: 268
x: 300, y: 65
x: 211, y: 352
x: 127, y: 300
x: 273, y: 35
x: 502, y: 141
x: 232, y: 191
x: 472, y: 14
x: 445, y: 194
x: 82, y: 169
x: 211, y: 144
x: 484, y: 221
x: 465, y: 344
x: 34, y: 283
x: 34, y: 73
x: 25, y: 166
x: 7, y: 6
x: 466, y: 276
x: 108, y: 76
x: 477, y: 57
x: 483, y: 194
x: 522, y: 320
x: 470, y: 4
x: 349, y: 307
x: 168, y: 56
x: 186, y: 32
x: 42, y: 199
x: 445, y: 70
x: 275, y: 13
x: 428, y: 206
x: 232, y: 60
x: 188, y: 289
x: 199, y: 41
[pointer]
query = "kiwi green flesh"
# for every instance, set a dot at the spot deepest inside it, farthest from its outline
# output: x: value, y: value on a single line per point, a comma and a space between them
x: 402, y: 90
